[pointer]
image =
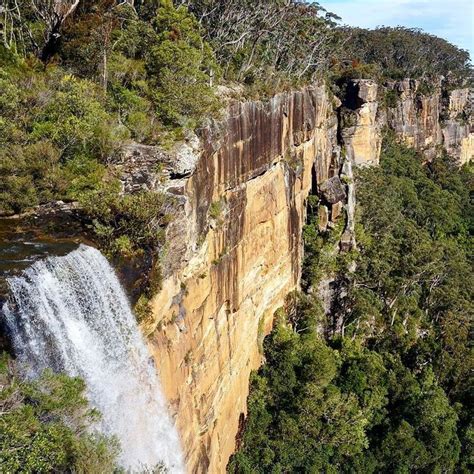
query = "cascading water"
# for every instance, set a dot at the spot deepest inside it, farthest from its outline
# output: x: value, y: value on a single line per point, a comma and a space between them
x: 71, y: 314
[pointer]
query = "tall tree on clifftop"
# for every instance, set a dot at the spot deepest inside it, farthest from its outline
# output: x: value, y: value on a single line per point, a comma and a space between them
x: 181, y: 67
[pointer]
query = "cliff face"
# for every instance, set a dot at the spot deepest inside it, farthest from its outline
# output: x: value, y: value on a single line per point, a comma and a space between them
x: 234, y: 248
x: 363, y: 137
x: 425, y: 122
x: 416, y: 118
x: 241, y: 223
x: 458, y: 127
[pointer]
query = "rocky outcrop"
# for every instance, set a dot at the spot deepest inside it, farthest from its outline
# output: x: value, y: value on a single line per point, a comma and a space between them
x: 425, y: 121
x: 428, y: 122
x: 458, y: 124
x: 362, y: 138
x: 466, y: 152
x: 416, y: 118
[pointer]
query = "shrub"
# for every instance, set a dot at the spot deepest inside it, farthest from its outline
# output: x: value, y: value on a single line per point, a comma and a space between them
x: 126, y: 224
x: 390, y: 98
x: 75, y: 120
x: 44, y: 426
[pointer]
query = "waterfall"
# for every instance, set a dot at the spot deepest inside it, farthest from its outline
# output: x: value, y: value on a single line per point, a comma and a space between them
x: 71, y: 314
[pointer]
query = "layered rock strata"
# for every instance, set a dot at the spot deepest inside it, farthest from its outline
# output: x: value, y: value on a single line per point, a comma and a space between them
x: 362, y: 137
x: 425, y: 122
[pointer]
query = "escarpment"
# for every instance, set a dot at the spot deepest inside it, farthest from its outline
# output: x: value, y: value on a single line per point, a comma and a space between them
x: 176, y: 177
x: 234, y: 248
x: 425, y: 121
x: 238, y: 196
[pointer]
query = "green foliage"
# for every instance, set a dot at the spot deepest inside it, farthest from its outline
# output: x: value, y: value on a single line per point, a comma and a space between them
x: 75, y: 121
x: 390, y: 98
x: 416, y: 267
x: 294, y: 404
x: 417, y: 222
x: 400, y: 53
x: 127, y: 225
x: 119, y: 73
x: 322, y: 257
x: 215, y: 209
x: 57, y: 135
x: 142, y: 308
x: 181, y: 68
x: 348, y: 118
x: 268, y: 45
x: 388, y: 389
x: 44, y: 426
x: 338, y: 406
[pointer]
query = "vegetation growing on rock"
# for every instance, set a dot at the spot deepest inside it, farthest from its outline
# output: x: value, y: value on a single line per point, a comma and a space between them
x: 113, y: 77
x: 79, y: 82
x: 388, y: 383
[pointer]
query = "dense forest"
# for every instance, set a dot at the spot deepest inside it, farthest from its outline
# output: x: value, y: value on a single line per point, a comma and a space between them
x: 80, y: 79
x: 382, y: 384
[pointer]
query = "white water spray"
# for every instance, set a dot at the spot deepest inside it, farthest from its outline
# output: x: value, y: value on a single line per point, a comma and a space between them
x: 71, y: 314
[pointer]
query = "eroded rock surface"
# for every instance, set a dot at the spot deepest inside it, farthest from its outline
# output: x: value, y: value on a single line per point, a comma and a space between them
x: 363, y: 139
x: 428, y: 122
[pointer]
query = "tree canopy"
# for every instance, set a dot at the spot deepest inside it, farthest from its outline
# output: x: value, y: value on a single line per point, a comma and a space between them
x: 44, y: 426
x: 399, y: 53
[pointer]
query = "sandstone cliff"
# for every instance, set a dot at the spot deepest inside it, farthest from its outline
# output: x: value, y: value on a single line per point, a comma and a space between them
x: 242, y: 219
x: 425, y: 122
x: 234, y: 248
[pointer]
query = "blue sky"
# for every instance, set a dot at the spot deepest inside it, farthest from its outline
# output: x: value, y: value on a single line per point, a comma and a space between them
x: 449, y: 19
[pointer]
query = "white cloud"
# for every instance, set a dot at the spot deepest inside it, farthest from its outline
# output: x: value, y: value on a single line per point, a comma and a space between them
x: 453, y: 20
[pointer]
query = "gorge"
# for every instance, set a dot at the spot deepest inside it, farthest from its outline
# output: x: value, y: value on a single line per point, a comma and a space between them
x: 219, y: 300
x: 225, y: 273
x: 178, y: 180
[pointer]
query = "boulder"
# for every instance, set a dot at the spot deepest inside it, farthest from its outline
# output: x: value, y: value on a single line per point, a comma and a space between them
x: 346, y: 242
x: 336, y: 210
x: 323, y: 218
x: 367, y: 90
x: 333, y: 190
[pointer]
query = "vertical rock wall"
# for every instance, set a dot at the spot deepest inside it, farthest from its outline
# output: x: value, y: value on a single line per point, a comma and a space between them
x: 363, y: 138
x: 241, y: 222
x: 458, y: 126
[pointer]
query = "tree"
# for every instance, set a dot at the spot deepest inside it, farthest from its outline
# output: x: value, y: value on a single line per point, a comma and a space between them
x: 269, y: 40
x: 23, y: 19
x: 53, y: 13
x: 181, y: 67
